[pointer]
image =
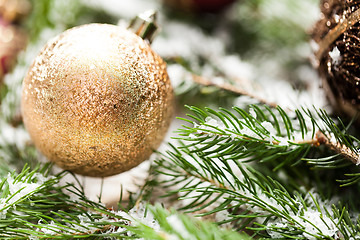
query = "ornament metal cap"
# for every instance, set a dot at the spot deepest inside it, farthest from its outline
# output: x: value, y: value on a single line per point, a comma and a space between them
x: 144, y: 25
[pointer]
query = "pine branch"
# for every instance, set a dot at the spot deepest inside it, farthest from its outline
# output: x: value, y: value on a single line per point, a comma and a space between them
x: 266, y: 135
x: 206, y: 173
x: 251, y: 201
x: 33, y: 204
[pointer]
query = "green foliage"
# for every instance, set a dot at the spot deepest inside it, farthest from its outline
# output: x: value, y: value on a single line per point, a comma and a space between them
x: 34, y: 204
x: 208, y: 171
x: 251, y: 200
x: 59, y: 15
x: 254, y: 171
x: 246, y: 132
x: 179, y: 226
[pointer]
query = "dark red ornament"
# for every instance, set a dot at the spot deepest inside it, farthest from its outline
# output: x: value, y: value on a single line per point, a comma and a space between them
x: 12, y: 40
x: 209, y: 6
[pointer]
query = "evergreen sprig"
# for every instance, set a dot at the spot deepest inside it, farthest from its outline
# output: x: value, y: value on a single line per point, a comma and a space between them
x: 33, y: 204
x: 235, y: 165
x: 206, y: 170
x: 267, y: 135
x: 249, y: 200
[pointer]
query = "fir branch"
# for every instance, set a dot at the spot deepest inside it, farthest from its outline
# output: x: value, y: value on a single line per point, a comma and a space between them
x: 51, y: 14
x: 259, y: 135
x: 252, y: 201
x: 265, y: 134
x: 204, y: 170
x: 33, y: 204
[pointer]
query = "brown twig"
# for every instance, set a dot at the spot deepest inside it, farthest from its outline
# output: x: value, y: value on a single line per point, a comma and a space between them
x: 230, y: 88
x: 346, y: 152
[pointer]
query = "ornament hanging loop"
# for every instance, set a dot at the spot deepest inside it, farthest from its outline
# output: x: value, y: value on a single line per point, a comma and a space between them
x: 144, y: 25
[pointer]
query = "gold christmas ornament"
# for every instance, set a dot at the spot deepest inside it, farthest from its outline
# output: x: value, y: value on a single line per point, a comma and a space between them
x: 97, y: 100
x: 14, y: 10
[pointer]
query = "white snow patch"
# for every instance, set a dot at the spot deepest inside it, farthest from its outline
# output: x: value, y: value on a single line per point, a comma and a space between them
x: 252, y: 112
x: 178, y: 75
x: 221, y: 216
x: 86, y: 224
x: 335, y: 56
x: 13, y: 136
x: 182, y: 40
x: 21, y: 187
x: 235, y: 68
x: 315, y: 222
x: 277, y: 225
x: 210, y: 125
x: 140, y: 214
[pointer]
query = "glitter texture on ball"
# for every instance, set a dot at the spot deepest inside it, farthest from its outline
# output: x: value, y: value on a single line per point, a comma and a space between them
x: 97, y: 100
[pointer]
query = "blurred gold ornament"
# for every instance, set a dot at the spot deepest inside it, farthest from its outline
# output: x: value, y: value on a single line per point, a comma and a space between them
x: 14, y: 10
x: 97, y: 100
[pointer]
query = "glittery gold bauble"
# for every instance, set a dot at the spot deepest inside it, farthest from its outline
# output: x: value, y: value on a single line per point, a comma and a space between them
x: 97, y: 100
